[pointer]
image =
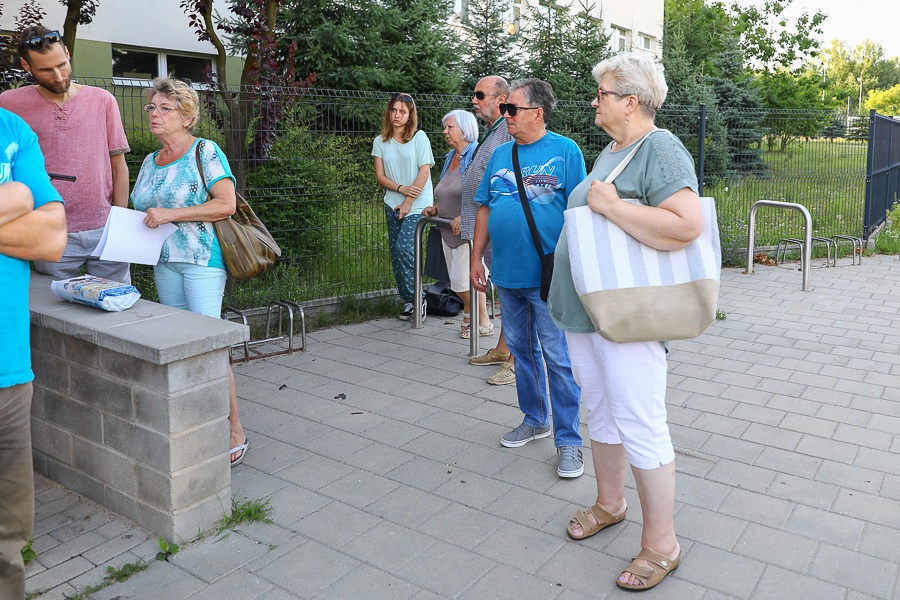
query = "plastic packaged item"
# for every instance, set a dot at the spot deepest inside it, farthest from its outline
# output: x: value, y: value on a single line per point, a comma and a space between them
x: 89, y: 290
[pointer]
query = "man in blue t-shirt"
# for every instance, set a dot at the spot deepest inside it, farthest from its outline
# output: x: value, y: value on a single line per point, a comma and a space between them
x: 551, y: 166
x: 32, y: 227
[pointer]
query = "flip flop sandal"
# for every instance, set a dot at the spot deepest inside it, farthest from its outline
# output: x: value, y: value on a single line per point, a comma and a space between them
x: 604, y: 520
x: 651, y: 575
x: 243, y: 452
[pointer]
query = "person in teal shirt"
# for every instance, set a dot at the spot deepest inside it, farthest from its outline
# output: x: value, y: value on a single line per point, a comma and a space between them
x: 32, y: 227
x: 403, y: 160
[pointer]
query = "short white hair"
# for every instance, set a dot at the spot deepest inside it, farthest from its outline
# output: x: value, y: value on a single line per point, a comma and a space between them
x: 466, y: 122
x: 636, y: 74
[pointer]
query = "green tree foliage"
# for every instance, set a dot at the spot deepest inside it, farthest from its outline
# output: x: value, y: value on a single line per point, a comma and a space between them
x: 739, y: 105
x: 396, y: 45
x: 696, y: 31
x: 786, y: 90
x: 886, y: 102
x: 492, y: 45
x: 845, y: 67
x: 770, y: 41
x: 562, y: 48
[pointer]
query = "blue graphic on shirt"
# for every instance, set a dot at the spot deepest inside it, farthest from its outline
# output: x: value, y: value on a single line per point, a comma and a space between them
x: 539, y: 180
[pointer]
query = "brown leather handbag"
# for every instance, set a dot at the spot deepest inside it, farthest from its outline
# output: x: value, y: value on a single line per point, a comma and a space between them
x: 247, y: 246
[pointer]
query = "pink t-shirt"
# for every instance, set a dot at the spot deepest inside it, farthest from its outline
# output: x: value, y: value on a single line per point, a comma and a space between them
x: 76, y: 139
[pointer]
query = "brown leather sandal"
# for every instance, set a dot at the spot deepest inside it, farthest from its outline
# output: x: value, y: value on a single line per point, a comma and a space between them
x: 650, y: 576
x: 604, y: 520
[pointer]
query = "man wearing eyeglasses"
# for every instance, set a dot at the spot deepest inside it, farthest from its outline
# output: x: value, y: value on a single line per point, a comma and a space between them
x: 550, y: 167
x: 80, y: 132
x: 32, y: 226
x: 489, y: 93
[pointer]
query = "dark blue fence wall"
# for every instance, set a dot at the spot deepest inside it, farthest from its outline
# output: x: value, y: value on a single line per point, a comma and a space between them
x: 882, y: 169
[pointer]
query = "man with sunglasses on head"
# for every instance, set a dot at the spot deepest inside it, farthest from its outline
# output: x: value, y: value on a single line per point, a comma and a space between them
x: 80, y: 132
x: 489, y: 93
x: 550, y: 167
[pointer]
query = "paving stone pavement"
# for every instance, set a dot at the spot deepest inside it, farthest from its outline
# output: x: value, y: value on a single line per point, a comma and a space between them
x: 379, y: 452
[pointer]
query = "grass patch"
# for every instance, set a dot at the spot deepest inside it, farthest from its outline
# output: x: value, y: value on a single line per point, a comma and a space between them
x: 245, y: 511
x: 828, y: 178
x: 123, y: 573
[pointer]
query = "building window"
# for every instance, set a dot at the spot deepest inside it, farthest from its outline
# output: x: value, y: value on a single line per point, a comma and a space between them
x: 187, y: 67
x: 619, y: 39
x: 514, y: 16
x: 646, y: 42
x: 128, y: 63
x: 461, y: 8
x: 134, y: 64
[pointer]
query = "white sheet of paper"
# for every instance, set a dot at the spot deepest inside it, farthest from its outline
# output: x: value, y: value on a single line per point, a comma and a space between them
x: 126, y: 239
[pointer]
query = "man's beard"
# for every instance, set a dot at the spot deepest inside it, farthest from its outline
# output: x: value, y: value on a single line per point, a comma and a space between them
x: 59, y: 88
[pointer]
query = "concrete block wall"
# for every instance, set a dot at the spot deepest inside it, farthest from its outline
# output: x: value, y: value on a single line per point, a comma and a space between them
x: 130, y: 409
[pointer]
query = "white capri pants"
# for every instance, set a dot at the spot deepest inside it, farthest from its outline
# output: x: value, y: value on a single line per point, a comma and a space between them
x: 623, y: 389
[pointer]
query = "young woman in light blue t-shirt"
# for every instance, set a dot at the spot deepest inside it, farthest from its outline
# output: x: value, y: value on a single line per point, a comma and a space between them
x: 403, y: 160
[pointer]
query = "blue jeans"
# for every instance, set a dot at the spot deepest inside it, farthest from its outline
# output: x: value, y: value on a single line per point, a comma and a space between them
x: 401, y: 241
x: 534, y: 339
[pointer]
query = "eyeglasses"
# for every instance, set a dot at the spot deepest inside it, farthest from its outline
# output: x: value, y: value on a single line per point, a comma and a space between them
x: 402, y: 97
x: 601, y: 92
x: 149, y: 108
x: 51, y: 37
x: 512, y: 109
x: 481, y: 95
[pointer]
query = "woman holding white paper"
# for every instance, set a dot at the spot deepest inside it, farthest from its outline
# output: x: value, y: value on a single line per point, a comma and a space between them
x: 623, y: 385
x: 170, y: 188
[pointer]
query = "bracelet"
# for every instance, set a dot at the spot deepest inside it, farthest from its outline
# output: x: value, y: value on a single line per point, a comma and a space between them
x: 398, y: 187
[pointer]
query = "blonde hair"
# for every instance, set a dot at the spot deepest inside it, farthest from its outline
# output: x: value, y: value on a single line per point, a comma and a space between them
x: 636, y: 74
x: 387, y: 130
x: 183, y: 95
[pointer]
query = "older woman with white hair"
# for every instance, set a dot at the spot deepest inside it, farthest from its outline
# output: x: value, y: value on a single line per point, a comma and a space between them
x: 623, y: 385
x: 461, y: 133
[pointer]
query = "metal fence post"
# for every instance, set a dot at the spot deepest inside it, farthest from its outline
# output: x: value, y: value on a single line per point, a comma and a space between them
x: 701, y: 150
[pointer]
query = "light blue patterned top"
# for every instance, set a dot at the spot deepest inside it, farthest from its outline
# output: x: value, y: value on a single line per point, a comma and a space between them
x: 178, y: 185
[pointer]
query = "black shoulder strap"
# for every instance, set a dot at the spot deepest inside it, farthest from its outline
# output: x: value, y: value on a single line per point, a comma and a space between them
x: 526, y: 208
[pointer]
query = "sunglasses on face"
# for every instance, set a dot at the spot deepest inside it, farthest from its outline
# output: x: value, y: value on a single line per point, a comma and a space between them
x: 402, y: 97
x: 51, y: 37
x: 481, y: 95
x: 512, y: 109
x: 149, y: 108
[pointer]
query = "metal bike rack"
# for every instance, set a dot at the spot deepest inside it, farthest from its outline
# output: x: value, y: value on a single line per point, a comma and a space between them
x: 806, y: 249
x: 276, y: 308
x: 473, y: 299
x: 857, y: 247
x: 782, y: 248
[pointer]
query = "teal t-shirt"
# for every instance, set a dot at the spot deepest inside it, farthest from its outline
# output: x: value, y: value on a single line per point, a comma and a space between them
x: 401, y: 164
x: 551, y: 168
x: 20, y: 160
x: 661, y: 167
x: 178, y: 185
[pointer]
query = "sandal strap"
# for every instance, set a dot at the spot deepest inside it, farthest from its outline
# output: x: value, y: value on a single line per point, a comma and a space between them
x: 659, y: 566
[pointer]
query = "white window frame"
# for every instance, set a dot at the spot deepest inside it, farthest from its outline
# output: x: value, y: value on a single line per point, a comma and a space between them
x: 620, y: 39
x: 645, y: 42
x: 162, y: 66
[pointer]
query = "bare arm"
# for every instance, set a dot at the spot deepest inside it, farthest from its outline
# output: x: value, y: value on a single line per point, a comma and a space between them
x: 220, y: 205
x: 119, y: 179
x: 15, y: 201
x: 675, y: 223
x: 413, y: 191
x: 389, y: 184
x: 479, y: 242
x: 38, y: 234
